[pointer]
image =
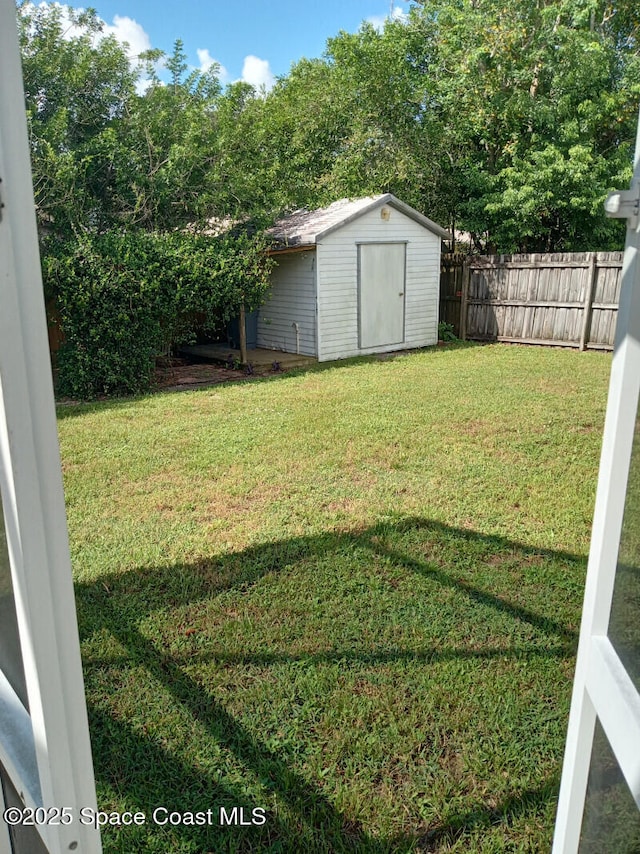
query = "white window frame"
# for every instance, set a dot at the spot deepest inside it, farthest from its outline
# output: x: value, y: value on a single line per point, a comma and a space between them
x: 33, y: 505
x: 602, y: 687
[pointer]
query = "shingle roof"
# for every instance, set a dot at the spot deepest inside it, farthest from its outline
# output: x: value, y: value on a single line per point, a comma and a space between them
x: 304, y: 228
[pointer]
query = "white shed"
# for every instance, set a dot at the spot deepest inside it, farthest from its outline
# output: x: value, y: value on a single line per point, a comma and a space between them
x: 360, y: 276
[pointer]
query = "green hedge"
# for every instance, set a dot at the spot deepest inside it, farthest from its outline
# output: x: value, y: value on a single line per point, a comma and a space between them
x: 126, y: 297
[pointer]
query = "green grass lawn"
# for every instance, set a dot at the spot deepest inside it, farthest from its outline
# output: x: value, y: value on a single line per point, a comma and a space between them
x: 349, y: 596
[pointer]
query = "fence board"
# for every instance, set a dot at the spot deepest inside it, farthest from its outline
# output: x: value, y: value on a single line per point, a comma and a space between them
x: 568, y: 299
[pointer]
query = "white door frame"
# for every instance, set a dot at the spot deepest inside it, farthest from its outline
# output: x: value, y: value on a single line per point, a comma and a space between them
x: 33, y: 504
x: 390, y: 295
x: 602, y: 687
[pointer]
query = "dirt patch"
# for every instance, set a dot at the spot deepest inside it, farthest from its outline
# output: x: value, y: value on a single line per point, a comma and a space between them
x: 585, y: 428
x: 514, y: 559
x: 180, y: 375
x: 452, y: 763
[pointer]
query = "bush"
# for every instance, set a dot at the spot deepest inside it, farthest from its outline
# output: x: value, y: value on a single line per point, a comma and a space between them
x: 446, y: 333
x: 126, y: 297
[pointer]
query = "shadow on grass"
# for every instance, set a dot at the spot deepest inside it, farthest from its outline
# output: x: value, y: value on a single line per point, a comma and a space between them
x: 483, y: 817
x: 135, y: 764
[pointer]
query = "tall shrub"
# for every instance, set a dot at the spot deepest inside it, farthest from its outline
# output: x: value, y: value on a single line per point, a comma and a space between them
x: 126, y: 297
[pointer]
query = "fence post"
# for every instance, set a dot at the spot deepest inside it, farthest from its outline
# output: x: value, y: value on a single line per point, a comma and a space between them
x: 588, y: 301
x: 463, y: 299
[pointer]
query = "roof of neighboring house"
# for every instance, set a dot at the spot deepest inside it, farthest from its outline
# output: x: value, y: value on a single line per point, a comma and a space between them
x: 304, y: 228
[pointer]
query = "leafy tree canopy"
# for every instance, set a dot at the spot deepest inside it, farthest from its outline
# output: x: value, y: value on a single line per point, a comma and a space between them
x: 511, y: 121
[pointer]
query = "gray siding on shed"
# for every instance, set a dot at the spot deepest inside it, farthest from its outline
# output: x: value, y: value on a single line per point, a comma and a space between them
x: 292, y: 300
x: 337, y: 258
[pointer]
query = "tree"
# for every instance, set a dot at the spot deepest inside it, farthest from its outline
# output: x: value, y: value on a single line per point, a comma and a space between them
x: 122, y: 182
x: 511, y: 121
x: 541, y: 100
x: 102, y: 154
x: 244, y: 180
x: 163, y: 149
x: 77, y: 85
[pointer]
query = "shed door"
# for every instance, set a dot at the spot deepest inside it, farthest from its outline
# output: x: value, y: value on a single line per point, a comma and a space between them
x: 381, y: 293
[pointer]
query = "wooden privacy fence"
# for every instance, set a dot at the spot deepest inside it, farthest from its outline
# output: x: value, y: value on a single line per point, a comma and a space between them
x: 565, y: 299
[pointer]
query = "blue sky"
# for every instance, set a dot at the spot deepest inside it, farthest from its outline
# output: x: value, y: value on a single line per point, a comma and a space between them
x: 255, y: 40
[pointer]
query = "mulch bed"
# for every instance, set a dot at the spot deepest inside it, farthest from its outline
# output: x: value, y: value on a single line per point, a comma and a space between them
x: 179, y: 374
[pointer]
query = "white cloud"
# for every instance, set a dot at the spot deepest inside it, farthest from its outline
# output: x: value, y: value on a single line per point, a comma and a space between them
x: 396, y: 14
x: 206, y: 61
x: 125, y: 29
x: 136, y: 40
x: 131, y: 35
x: 257, y: 72
x: 142, y: 84
x: 129, y: 32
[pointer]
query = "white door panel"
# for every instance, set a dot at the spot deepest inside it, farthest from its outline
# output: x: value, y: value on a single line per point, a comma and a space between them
x: 381, y: 294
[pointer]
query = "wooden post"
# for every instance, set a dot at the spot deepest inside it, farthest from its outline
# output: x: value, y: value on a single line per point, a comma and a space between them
x: 466, y: 273
x: 588, y: 301
x: 243, y: 335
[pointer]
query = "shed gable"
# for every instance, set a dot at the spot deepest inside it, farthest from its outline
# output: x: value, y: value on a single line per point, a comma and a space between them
x: 307, y: 228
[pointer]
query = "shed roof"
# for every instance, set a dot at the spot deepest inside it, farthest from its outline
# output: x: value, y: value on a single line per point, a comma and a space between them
x: 304, y: 228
